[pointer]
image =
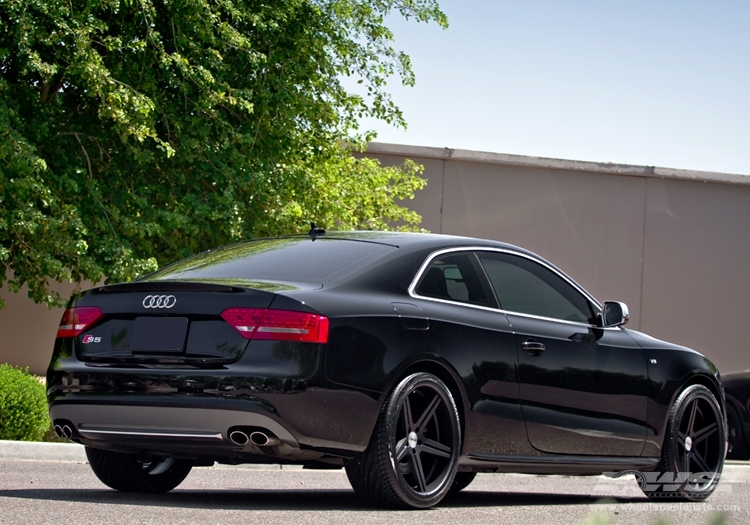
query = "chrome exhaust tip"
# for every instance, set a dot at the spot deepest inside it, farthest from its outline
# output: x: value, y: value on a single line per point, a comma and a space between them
x: 67, y: 432
x: 58, y: 431
x: 239, y: 438
x: 263, y: 440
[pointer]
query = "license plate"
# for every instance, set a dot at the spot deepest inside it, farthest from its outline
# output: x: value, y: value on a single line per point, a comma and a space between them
x: 159, y: 334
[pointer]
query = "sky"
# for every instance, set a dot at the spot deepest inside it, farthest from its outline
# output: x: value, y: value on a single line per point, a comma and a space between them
x: 646, y: 82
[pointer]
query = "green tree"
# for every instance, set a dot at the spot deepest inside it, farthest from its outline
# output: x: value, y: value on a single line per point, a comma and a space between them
x: 136, y: 132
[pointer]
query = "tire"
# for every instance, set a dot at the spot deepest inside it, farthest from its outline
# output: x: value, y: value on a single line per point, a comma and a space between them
x: 737, y: 447
x: 412, y: 457
x: 461, y: 481
x: 693, y: 449
x: 124, y: 472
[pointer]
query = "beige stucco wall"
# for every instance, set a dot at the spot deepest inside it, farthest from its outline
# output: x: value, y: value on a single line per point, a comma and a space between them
x: 29, y: 329
x: 674, y: 245
x: 696, y: 279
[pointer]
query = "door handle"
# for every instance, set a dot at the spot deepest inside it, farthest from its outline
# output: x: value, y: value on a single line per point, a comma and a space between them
x: 533, y: 347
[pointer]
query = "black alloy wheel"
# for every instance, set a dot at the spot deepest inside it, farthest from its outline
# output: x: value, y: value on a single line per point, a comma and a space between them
x: 126, y: 473
x: 693, y: 448
x: 411, y: 460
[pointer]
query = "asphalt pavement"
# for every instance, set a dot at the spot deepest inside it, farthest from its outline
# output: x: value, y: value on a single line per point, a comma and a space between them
x: 736, y: 470
x: 51, y: 483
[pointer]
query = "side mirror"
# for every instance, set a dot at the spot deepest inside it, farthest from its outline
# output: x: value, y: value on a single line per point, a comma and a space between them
x: 615, y: 314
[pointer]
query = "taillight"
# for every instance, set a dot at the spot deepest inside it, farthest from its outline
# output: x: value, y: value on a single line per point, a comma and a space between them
x: 76, y: 320
x: 277, y: 325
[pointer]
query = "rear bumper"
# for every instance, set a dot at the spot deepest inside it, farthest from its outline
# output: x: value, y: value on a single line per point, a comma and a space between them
x: 318, y: 423
x: 130, y: 423
x: 190, y: 411
x: 197, y: 433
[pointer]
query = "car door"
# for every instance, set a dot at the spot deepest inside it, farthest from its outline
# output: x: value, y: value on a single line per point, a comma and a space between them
x: 468, y: 330
x: 582, y: 388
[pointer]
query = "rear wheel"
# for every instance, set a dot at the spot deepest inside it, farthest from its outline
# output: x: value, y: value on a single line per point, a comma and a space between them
x: 693, y: 448
x: 412, y: 457
x: 126, y: 473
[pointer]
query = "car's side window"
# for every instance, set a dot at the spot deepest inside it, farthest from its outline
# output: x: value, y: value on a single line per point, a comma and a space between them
x: 453, y: 277
x: 527, y: 287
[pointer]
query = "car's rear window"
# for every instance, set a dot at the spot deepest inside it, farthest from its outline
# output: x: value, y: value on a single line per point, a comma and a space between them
x: 300, y: 260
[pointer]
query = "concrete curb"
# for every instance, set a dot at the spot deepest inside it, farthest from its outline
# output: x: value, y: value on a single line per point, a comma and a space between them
x: 42, y: 451
x: 37, y: 451
x: 734, y: 471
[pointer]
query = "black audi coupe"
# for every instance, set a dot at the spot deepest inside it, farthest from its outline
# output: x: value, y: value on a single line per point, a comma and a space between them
x: 737, y: 388
x: 413, y: 361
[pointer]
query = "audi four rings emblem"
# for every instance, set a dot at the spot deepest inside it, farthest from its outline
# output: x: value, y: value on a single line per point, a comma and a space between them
x: 159, y: 301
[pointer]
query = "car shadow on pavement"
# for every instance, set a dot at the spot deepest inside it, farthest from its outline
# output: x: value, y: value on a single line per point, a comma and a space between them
x: 471, y: 498
x: 293, y: 499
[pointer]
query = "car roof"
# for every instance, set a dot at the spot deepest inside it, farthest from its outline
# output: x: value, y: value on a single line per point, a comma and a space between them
x: 229, y: 262
x: 419, y: 240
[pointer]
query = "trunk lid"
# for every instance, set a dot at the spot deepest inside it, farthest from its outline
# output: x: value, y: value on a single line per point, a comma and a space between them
x: 165, y: 322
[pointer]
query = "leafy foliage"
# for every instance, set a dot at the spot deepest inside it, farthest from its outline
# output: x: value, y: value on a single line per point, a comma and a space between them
x: 23, y: 405
x: 136, y: 132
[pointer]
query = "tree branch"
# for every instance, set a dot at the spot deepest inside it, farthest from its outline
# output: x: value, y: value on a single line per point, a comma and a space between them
x: 48, y: 94
x: 91, y: 176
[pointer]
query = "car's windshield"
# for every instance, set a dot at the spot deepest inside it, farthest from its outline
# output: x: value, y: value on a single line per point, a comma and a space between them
x: 293, y: 259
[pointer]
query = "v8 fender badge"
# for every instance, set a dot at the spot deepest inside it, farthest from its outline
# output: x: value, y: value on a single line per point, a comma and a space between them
x: 159, y: 301
x: 91, y: 339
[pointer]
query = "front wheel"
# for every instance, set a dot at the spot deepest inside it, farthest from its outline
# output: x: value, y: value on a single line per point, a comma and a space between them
x: 411, y: 460
x: 693, y: 448
x: 126, y: 473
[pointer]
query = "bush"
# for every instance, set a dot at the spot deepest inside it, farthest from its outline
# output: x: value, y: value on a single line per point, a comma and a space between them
x: 23, y: 405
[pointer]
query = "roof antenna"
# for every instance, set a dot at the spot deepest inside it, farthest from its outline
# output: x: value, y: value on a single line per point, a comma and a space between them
x: 315, y: 232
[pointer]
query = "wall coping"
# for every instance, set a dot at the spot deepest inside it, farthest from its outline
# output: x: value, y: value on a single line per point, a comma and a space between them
x: 426, y: 152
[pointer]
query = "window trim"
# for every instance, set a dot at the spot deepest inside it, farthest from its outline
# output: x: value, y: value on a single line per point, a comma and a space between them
x: 472, y: 252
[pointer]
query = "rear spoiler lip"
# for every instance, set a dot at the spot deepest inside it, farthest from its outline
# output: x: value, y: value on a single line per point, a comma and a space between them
x: 168, y: 286
x: 209, y: 285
